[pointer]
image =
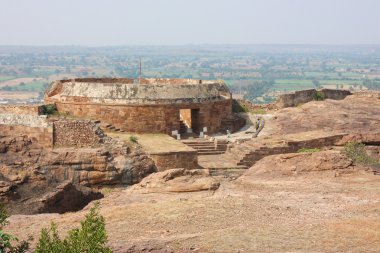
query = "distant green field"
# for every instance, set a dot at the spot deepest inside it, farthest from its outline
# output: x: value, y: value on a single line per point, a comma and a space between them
x: 292, y: 84
x: 6, y: 78
x: 352, y: 75
x: 32, y: 86
x: 229, y: 82
x: 321, y: 74
x: 335, y: 81
x: 43, y: 72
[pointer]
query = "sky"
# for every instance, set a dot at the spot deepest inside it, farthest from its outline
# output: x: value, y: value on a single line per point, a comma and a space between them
x: 183, y: 22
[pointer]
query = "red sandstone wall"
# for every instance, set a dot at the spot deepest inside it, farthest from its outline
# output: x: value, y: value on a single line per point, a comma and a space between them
x: 21, y: 109
x: 43, y: 135
x: 212, y: 115
x: 152, y: 118
x: 166, y: 161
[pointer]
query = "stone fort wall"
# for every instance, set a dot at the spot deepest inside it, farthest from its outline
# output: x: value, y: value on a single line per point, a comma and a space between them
x: 61, y: 133
x: 21, y: 109
x: 304, y: 96
x: 149, y: 118
x: 42, y: 135
x: 34, y: 126
x: 149, y: 107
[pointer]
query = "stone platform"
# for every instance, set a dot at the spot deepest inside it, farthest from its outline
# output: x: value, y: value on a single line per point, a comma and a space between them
x: 166, y: 152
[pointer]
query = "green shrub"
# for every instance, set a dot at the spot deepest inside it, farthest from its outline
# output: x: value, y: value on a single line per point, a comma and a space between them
x: 308, y: 150
x: 6, y: 239
x: 237, y: 107
x: 49, y: 109
x: 356, y: 151
x: 91, y: 237
x: 319, y: 96
x: 133, y: 138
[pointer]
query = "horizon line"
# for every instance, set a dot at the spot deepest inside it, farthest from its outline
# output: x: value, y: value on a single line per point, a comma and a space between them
x: 193, y: 44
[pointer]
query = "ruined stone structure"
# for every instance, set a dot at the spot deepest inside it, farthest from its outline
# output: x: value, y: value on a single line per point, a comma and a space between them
x: 29, y: 121
x: 304, y: 96
x: 151, y: 106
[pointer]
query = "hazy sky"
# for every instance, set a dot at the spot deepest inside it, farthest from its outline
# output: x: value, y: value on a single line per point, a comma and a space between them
x: 173, y: 22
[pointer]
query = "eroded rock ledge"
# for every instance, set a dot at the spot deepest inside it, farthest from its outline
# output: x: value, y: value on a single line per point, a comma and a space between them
x: 34, y: 179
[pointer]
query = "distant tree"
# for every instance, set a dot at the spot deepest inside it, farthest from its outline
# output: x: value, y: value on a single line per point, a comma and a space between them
x: 7, y: 88
x: 316, y: 83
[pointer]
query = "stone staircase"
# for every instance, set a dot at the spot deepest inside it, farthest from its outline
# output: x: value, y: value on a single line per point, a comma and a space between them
x: 206, y: 147
x: 109, y: 127
x: 182, y: 127
x: 249, y: 152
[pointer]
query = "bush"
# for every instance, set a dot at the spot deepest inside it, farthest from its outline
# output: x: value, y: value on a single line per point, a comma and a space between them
x: 49, y: 109
x: 237, y: 107
x: 91, y: 237
x: 319, y: 96
x: 6, y: 239
x: 133, y: 138
x: 308, y: 150
x: 356, y: 151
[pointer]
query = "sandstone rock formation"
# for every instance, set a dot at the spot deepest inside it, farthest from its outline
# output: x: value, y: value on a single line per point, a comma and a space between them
x: 108, y: 164
x: 356, y: 114
x: 330, y: 163
x: 31, y: 174
x: 177, y: 180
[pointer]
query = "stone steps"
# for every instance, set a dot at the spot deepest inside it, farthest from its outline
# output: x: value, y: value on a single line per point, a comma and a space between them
x: 206, y: 147
x: 109, y: 127
x: 210, y: 152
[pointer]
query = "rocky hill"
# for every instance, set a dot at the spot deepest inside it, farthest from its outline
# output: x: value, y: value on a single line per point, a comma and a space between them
x: 314, y: 199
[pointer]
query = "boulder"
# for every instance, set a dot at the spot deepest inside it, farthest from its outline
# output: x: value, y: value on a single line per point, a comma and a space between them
x: 177, y: 180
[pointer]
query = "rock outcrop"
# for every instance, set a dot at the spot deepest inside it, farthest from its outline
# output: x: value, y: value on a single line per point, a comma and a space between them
x: 177, y: 180
x: 115, y: 163
x: 329, y: 163
x: 356, y: 114
x: 34, y: 179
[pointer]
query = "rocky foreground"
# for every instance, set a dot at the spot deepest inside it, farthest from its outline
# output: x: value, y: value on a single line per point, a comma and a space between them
x: 37, y: 180
x: 295, y: 202
x: 278, y: 205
